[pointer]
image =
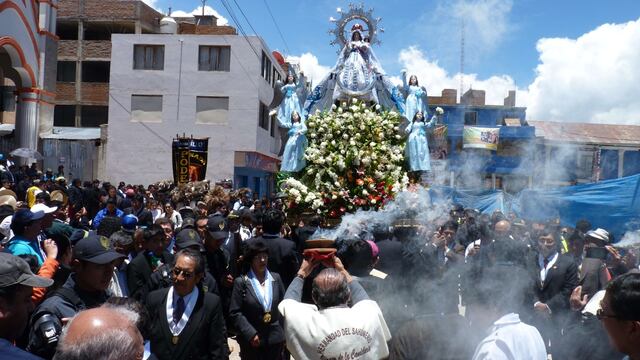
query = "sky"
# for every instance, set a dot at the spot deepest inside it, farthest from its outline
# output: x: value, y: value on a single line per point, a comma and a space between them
x: 569, y: 60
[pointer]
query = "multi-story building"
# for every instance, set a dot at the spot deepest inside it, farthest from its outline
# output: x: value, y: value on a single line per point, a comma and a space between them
x: 27, y: 71
x: 509, y: 167
x: 215, y: 86
x: 84, y: 54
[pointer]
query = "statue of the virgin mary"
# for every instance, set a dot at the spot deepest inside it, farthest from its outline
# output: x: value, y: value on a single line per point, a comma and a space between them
x: 357, y: 74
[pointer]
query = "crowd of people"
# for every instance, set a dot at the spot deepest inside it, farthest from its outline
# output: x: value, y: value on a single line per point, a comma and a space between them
x: 97, y: 271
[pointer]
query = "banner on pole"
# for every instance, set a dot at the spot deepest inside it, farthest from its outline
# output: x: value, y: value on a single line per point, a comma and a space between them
x: 189, y: 159
x: 480, y: 138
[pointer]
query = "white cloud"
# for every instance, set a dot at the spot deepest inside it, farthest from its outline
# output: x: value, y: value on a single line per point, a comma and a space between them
x: 432, y: 76
x: 151, y: 3
x: 486, y: 23
x: 310, y: 66
x: 208, y: 10
x: 593, y: 78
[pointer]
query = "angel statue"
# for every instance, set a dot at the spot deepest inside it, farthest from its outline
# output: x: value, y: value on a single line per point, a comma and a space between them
x: 288, y: 100
x: 417, y: 146
x: 357, y: 74
x: 293, y: 157
x: 415, y: 95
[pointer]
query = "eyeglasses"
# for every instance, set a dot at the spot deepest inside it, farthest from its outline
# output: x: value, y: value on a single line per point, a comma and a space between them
x: 601, y: 315
x: 185, y: 274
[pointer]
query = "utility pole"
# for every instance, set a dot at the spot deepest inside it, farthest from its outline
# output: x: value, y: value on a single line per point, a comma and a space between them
x: 462, y: 35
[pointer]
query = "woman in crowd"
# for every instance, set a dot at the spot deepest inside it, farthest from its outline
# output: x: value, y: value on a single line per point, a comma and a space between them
x: 253, y: 310
x: 172, y: 215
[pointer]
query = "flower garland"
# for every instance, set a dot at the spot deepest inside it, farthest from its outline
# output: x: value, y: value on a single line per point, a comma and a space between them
x: 354, y: 160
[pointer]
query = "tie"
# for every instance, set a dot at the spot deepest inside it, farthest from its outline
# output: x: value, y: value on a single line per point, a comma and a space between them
x: 178, y: 310
x: 545, y: 262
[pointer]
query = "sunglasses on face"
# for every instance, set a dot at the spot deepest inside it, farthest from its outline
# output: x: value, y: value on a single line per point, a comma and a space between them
x: 185, y: 274
x: 601, y: 315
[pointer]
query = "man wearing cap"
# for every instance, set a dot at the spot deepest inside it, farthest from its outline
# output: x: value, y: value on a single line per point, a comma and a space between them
x: 218, y: 257
x: 92, y: 269
x: 16, y: 285
x: 26, y: 226
x: 594, y: 275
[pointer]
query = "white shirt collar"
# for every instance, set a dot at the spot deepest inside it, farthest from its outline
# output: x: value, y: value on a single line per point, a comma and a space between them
x: 190, y: 302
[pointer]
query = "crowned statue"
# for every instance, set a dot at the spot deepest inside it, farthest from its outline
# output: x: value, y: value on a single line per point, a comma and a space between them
x: 290, y: 99
x: 357, y: 73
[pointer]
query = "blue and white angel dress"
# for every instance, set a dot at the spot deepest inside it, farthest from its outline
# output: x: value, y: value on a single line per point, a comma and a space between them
x: 416, y: 99
x: 290, y: 103
x: 417, y: 147
x: 293, y: 157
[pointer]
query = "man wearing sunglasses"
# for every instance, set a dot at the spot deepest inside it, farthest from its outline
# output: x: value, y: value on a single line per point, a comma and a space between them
x: 187, y: 321
x: 620, y: 314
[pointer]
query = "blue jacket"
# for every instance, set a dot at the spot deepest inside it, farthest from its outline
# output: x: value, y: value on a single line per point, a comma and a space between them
x: 20, y: 246
x: 102, y: 214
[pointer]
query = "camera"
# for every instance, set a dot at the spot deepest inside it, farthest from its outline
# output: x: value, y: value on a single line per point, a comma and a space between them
x: 597, y: 253
x: 46, y: 334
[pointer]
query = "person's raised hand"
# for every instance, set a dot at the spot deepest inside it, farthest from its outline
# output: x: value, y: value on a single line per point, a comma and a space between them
x: 255, y: 341
x: 577, y: 301
x: 50, y: 248
x: 307, y: 267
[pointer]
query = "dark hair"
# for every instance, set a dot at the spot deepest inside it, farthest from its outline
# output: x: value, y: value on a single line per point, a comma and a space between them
x: 121, y: 238
x: 62, y: 242
x: 624, y: 296
x: 195, y: 255
x: 356, y: 256
x: 417, y: 84
x: 109, y: 225
x: 144, y: 320
x: 162, y: 221
x: 252, y: 250
x: 338, y: 295
x: 152, y: 232
x: 450, y: 225
x: 583, y: 225
x: 111, y: 201
x: 139, y: 198
x: 354, y: 35
x: 511, y: 282
x: 272, y: 221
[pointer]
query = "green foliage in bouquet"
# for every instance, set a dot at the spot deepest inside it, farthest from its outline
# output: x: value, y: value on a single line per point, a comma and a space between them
x: 354, y: 160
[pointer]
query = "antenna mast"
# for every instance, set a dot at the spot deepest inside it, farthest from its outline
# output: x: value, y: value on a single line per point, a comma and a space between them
x: 462, y: 34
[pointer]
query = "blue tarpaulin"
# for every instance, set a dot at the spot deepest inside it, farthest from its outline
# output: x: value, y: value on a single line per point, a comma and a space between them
x: 612, y: 204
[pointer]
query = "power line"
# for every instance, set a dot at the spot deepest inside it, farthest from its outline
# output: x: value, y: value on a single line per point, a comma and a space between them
x: 286, y: 46
x: 239, y: 26
x: 245, y: 17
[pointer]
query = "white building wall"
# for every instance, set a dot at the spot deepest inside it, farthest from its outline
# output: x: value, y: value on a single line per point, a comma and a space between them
x: 140, y: 152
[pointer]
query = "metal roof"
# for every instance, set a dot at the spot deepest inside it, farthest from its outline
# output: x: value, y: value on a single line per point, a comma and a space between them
x: 587, y: 133
x: 73, y: 133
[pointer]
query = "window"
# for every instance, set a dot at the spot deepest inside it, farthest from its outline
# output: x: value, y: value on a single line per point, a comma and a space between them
x: 64, y: 115
x: 93, y: 116
x: 146, y: 108
x: 214, y: 58
x: 263, y: 117
x: 95, y: 71
x: 266, y: 67
x: 212, y: 110
x: 274, y: 78
x: 148, y: 57
x: 471, y: 118
x: 66, y: 71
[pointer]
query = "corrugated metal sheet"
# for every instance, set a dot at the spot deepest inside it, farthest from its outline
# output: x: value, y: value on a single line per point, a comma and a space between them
x: 77, y: 156
x: 601, y: 134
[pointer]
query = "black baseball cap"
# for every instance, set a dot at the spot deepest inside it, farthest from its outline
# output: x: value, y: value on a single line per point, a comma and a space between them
x: 14, y: 270
x: 217, y: 227
x: 95, y: 249
x: 188, y: 238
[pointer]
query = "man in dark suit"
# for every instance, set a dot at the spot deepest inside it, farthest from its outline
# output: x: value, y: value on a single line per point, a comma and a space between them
x: 137, y: 208
x: 142, y: 266
x: 557, y: 276
x: 187, y: 322
x: 283, y: 257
